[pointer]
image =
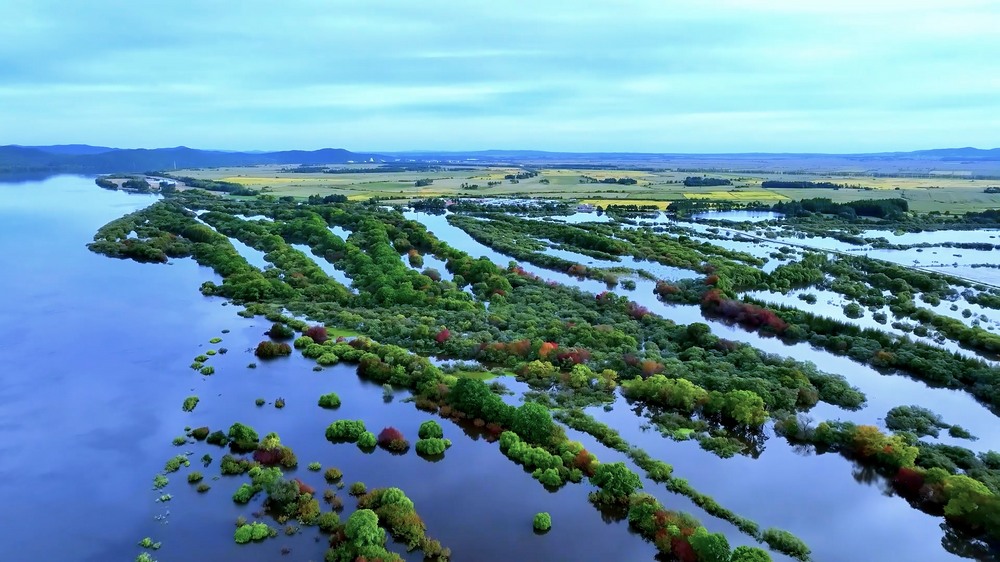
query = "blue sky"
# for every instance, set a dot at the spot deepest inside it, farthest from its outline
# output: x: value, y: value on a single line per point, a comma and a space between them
x: 650, y: 76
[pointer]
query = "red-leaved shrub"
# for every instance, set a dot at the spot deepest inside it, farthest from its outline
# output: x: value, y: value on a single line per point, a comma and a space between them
x: 317, y: 333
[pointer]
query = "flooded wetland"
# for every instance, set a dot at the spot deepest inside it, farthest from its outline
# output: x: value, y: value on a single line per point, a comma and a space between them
x: 659, y: 384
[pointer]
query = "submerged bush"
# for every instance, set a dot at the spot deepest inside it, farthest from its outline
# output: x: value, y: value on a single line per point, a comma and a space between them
x: 194, y: 477
x: 542, y: 522
x: 270, y: 349
x: 328, y: 359
x: 280, y: 331
x: 175, y: 464
x: 190, y: 403
x: 200, y: 433
x: 430, y: 429
x: 345, y: 431
x: 217, y: 438
x: 207, y: 370
x: 317, y: 333
x: 253, y: 532
x: 315, y: 466
x: 392, y: 439
x: 243, y: 436
x: 333, y: 475
x: 330, y: 401
x: 367, y: 441
x: 432, y: 446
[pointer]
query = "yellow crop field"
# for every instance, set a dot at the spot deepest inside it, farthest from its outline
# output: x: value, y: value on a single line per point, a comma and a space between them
x: 251, y: 181
x: 606, y: 202
x: 742, y: 196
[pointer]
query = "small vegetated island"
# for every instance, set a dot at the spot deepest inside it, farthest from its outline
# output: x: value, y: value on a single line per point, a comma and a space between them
x: 577, y: 351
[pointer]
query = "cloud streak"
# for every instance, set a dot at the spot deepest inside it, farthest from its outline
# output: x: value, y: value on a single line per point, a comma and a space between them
x: 686, y: 76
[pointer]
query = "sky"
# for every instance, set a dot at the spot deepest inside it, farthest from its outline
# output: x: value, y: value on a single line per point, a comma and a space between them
x: 691, y: 76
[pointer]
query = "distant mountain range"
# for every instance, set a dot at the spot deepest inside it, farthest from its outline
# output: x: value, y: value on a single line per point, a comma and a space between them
x: 944, y: 154
x: 82, y: 158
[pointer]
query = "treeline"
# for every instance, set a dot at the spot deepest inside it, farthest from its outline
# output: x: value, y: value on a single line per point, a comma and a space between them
x: 702, y: 181
x: 214, y: 185
x: 781, y: 184
x: 877, y: 208
x: 618, y: 181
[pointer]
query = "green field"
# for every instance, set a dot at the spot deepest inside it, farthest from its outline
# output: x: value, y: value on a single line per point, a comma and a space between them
x: 949, y: 194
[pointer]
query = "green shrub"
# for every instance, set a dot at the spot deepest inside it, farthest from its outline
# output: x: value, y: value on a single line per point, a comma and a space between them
x: 328, y: 359
x: 243, y: 436
x: 179, y: 440
x: 542, y: 522
x: 202, y: 488
x: 160, y: 481
x: 210, y: 352
x: 207, y: 370
x: 315, y: 466
x: 330, y: 401
x: 430, y: 429
x: 244, y: 493
x: 346, y: 431
x: 280, y: 331
x: 215, y: 340
x: 333, y: 475
x: 303, y: 342
x: 358, y: 489
x: 749, y: 554
x: 201, y: 359
x: 233, y: 465
x: 190, y: 403
x: 194, y: 477
x: 197, y: 365
x: 253, y: 532
x: 175, y: 464
x: 367, y: 440
x: 432, y: 446
x: 787, y: 543
x: 148, y: 543
x: 328, y: 522
x: 200, y: 433
x: 260, y: 401
x: 252, y: 366
x: 217, y: 438
x: 144, y: 557
x: 279, y: 403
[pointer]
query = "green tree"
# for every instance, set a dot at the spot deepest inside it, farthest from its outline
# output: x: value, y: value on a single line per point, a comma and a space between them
x: 616, y: 481
x: 745, y: 407
x: 749, y: 554
x: 243, y: 435
x: 363, y: 530
x: 533, y: 423
x: 964, y: 495
x: 710, y: 547
x: 430, y: 429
